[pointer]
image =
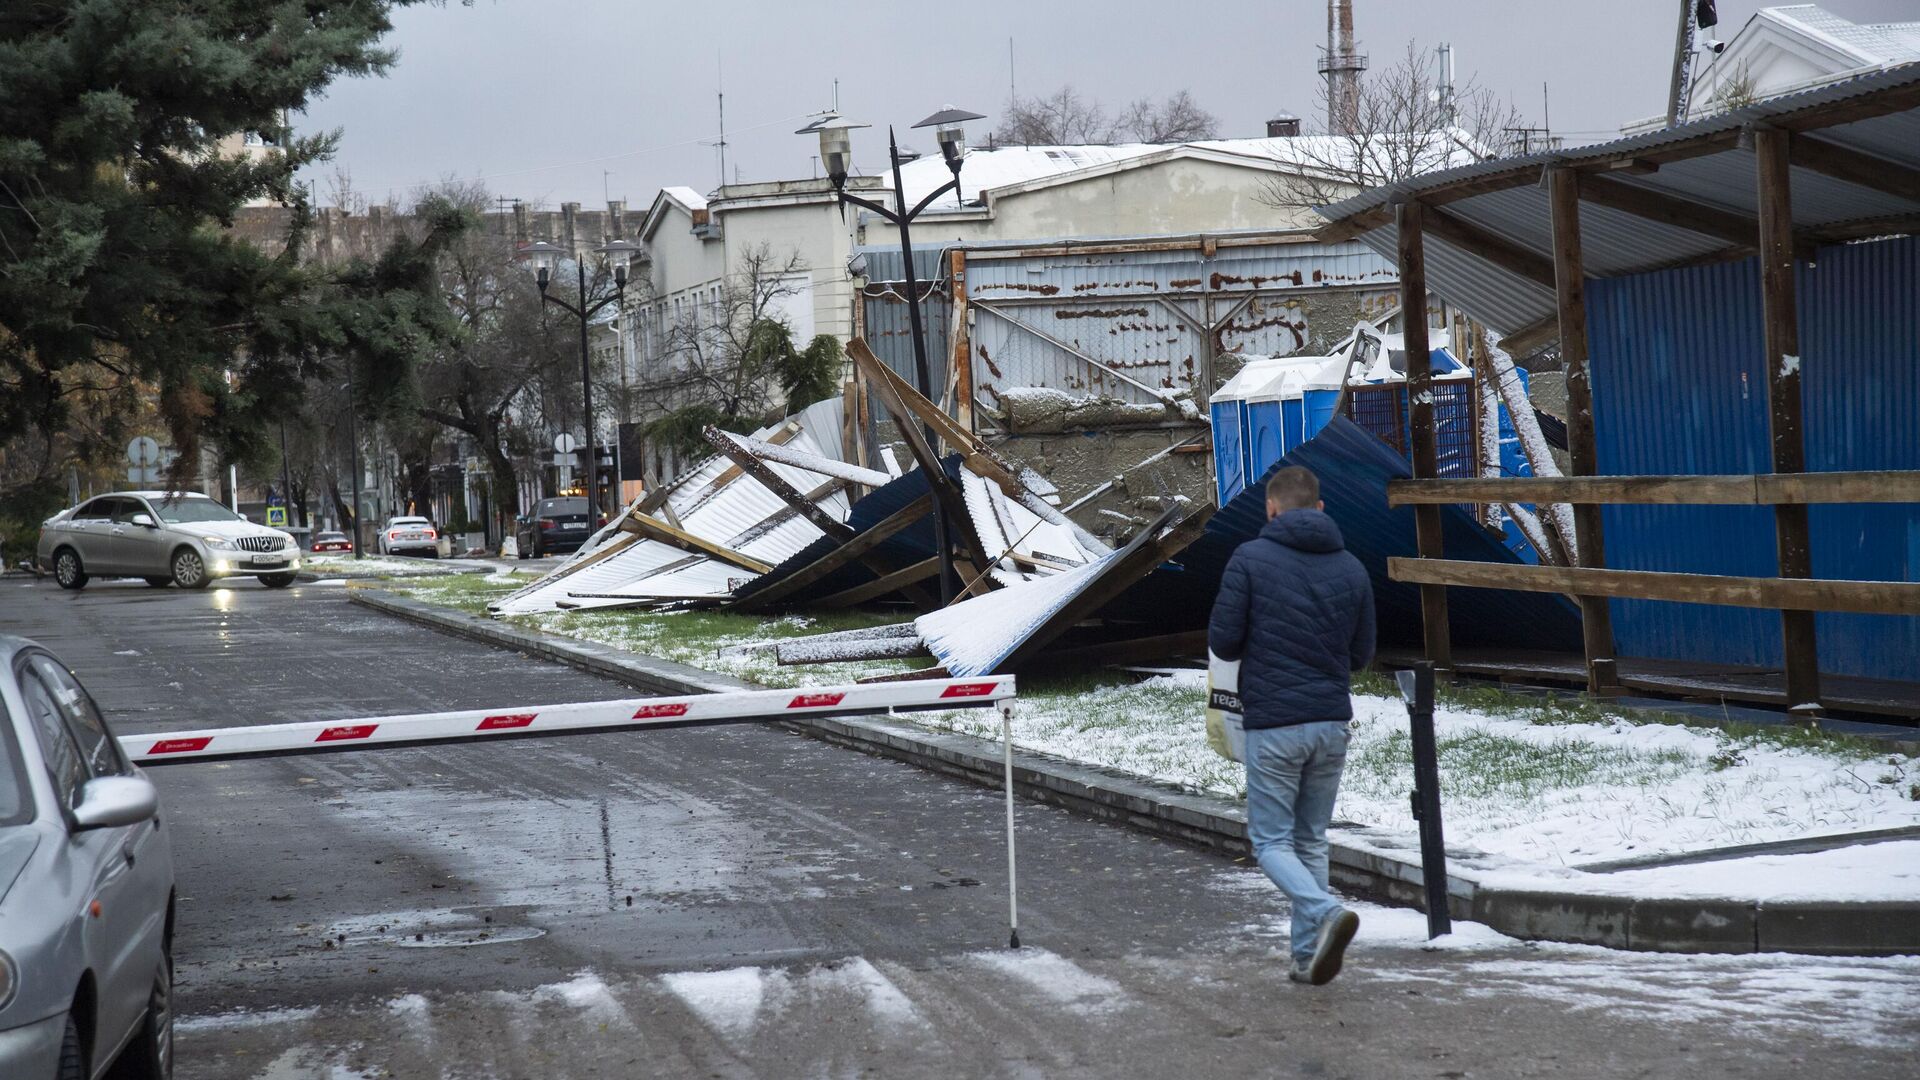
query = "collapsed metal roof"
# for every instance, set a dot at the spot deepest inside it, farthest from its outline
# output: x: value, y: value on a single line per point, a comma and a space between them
x: 1657, y: 200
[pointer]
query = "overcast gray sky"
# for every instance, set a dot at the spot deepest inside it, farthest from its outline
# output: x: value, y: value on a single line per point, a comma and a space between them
x: 554, y: 100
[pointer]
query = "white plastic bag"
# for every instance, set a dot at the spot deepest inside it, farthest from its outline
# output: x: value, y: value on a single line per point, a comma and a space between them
x: 1224, y: 731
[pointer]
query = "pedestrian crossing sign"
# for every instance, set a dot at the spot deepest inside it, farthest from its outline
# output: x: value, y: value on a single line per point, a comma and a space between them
x: 277, y: 516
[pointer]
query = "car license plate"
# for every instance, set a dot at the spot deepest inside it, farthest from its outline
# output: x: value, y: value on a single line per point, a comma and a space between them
x: 266, y: 560
x: 573, y: 524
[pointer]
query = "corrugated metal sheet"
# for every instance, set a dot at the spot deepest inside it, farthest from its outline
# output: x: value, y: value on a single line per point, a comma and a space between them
x: 1617, y: 243
x: 1131, y: 323
x: 1679, y: 388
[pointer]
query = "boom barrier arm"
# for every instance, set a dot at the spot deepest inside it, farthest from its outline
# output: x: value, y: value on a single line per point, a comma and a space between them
x: 532, y: 721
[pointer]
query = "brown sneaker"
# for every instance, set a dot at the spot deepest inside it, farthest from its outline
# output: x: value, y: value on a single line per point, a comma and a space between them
x: 1336, y: 931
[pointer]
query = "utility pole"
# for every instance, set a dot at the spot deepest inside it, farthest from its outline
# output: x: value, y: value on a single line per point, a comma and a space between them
x: 1694, y: 15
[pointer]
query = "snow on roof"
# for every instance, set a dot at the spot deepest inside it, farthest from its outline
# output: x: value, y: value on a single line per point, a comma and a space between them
x: 993, y: 168
x: 686, y: 197
x: 1873, y: 43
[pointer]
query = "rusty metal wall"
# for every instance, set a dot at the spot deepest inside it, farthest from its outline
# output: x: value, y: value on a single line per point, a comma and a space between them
x: 1141, y: 320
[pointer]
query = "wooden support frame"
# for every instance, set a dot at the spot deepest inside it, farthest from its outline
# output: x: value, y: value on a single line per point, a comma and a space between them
x: 686, y: 541
x: 1570, y: 287
x: 1738, y: 231
x: 1853, y: 167
x: 781, y: 516
x: 1773, y: 150
x: 1155, y: 544
x: 899, y: 400
x: 833, y: 560
x: 1514, y: 258
x: 923, y: 570
x: 831, y: 527
x: 1802, y: 595
x: 1765, y: 489
x: 1410, y: 219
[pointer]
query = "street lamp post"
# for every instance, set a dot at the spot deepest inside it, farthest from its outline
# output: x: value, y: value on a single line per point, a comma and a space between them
x: 618, y: 254
x: 836, y: 153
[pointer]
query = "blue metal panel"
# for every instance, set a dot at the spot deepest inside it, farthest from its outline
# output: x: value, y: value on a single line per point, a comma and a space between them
x: 1293, y: 422
x: 1679, y: 387
x: 1354, y: 468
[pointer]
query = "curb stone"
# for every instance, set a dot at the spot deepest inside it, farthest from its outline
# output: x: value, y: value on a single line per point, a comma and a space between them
x: 1367, y: 860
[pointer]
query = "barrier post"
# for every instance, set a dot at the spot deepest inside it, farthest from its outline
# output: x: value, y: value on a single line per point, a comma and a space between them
x: 1416, y: 687
x: 1005, y: 706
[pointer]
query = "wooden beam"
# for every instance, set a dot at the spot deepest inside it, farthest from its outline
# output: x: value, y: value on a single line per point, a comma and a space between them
x: 1764, y: 490
x: 1735, y: 229
x: 1805, y: 595
x: 1850, y: 166
x: 882, y: 585
x: 686, y: 541
x: 1532, y: 337
x: 1490, y: 247
x: 960, y: 354
x: 1865, y: 107
x: 781, y: 516
x: 1155, y: 544
x: 1410, y: 222
x: 752, y: 466
x: 1133, y: 650
x: 900, y: 400
x: 732, y: 472
x: 1596, y: 616
x: 833, y: 560
x: 1792, y: 537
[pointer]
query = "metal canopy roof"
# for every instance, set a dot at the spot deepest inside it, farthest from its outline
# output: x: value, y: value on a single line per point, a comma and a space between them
x: 1497, y: 262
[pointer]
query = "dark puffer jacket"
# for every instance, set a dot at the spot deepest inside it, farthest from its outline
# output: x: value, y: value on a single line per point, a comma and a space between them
x: 1297, y: 611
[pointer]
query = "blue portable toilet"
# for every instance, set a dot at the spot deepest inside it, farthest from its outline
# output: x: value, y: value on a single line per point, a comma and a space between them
x: 1233, y: 453
x: 1228, y: 474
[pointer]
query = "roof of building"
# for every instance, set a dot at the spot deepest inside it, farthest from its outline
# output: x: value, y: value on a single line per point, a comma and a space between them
x: 991, y: 171
x: 1856, y: 174
x: 1869, y: 43
x: 686, y: 197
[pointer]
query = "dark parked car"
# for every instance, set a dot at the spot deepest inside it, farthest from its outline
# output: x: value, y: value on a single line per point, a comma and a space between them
x: 555, y: 526
x: 86, y: 887
x: 331, y: 541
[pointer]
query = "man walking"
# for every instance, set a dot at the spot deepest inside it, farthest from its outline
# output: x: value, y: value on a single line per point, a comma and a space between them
x: 1297, y: 611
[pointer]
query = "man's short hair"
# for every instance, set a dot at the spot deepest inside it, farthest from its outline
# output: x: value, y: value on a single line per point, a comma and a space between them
x: 1293, y: 488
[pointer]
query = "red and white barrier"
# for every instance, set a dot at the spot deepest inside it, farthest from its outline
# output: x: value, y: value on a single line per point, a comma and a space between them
x: 475, y: 725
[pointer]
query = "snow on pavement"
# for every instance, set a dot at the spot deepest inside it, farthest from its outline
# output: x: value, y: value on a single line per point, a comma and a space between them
x: 1884, y: 871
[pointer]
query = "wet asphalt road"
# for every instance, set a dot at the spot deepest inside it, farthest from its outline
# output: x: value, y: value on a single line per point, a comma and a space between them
x: 745, y: 902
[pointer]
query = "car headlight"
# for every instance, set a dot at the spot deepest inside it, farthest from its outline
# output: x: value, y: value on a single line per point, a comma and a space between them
x: 9, y: 979
x: 218, y: 542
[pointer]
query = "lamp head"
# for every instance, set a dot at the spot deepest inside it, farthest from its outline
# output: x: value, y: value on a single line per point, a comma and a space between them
x: 543, y: 256
x: 619, y: 255
x: 836, y: 145
x: 949, y: 128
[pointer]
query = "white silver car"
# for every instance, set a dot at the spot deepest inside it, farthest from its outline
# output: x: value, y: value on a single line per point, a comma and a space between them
x: 168, y: 538
x: 415, y: 534
x: 86, y: 887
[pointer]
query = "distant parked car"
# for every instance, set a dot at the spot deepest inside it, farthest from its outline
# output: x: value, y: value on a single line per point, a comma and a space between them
x: 180, y: 537
x: 554, y: 526
x: 410, y: 534
x: 86, y: 887
x: 331, y: 541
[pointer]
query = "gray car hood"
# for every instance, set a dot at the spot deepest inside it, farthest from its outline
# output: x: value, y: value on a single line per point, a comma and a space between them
x: 16, y: 847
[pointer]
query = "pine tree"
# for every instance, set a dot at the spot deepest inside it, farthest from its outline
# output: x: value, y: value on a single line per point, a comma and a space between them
x: 116, y: 269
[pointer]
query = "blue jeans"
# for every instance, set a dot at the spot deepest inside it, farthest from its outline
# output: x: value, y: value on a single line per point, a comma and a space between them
x: 1293, y: 773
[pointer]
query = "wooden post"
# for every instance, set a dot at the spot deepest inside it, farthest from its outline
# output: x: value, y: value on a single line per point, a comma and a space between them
x: 1426, y: 458
x: 1570, y: 286
x: 960, y: 340
x: 1792, y: 541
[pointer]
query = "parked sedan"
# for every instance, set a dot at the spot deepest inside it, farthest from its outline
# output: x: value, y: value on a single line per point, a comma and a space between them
x: 180, y: 538
x: 86, y: 887
x: 409, y: 534
x: 555, y: 526
x: 331, y: 541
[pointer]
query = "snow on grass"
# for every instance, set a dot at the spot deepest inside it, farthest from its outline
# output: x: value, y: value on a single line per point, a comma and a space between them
x: 377, y: 566
x: 1526, y: 785
x: 1867, y: 872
